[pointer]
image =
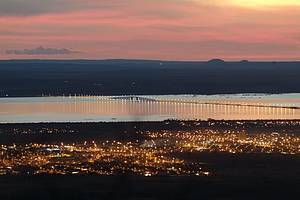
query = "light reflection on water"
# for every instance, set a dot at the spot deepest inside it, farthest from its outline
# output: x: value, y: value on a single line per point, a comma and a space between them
x: 90, y: 109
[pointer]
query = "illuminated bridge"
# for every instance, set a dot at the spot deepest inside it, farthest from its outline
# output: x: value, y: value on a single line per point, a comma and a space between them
x: 199, y: 101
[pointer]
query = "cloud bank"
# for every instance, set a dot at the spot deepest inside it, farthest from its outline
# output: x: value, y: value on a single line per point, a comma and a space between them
x: 41, y: 51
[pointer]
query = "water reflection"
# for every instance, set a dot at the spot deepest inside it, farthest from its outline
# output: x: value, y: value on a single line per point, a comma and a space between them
x: 63, y: 109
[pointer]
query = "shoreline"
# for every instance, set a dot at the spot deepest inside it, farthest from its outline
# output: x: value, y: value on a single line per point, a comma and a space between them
x: 209, y: 94
x: 162, y: 121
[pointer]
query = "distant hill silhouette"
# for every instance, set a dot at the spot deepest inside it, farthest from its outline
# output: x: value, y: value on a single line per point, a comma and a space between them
x: 216, y: 61
x: 244, y: 61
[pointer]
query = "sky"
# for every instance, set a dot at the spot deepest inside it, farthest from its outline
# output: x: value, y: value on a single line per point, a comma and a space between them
x: 150, y: 29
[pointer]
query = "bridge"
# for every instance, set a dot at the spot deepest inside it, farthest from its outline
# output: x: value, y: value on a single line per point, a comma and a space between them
x: 216, y: 102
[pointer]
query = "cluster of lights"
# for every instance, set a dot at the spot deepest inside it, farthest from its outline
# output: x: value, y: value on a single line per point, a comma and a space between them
x: 159, y: 153
x: 103, y: 158
x: 227, y: 141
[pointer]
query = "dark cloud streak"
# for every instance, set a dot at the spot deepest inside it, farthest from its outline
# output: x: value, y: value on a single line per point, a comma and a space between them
x: 41, y: 51
x: 39, y: 7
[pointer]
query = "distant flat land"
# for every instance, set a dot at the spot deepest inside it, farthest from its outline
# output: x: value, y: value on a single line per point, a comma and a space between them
x: 123, y: 77
x: 127, y: 131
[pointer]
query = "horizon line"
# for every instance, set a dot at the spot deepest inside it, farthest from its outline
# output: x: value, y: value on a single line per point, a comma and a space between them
x: 141, y: 59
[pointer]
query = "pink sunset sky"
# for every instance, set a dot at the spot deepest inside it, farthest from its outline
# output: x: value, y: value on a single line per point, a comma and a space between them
x: 150, y: 29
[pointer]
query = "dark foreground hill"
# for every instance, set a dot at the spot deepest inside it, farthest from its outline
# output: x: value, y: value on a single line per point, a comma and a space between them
x: 115, y: 77
x: 248, y: 187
